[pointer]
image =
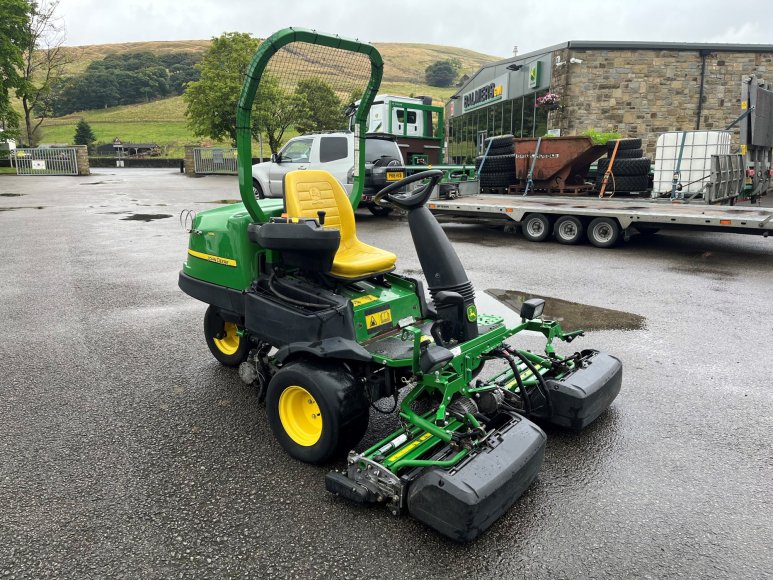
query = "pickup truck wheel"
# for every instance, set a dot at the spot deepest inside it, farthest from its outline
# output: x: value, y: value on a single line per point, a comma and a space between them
x: 257, y: 189
x: 379, y: 211
x: 568, y: 230
x: 603, y: 232
x: 536, y: 227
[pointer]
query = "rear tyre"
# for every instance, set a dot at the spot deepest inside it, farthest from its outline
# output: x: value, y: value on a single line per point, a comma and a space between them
x: 223, y: 339
x: 603, y: 232
x: 568, y: 230
x: 316, y: 410
x: 257, y: 189
x: 536, y: 227
x: 378, y: 210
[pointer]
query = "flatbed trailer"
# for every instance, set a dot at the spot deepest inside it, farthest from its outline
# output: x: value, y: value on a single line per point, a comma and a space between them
x: 604, y: 221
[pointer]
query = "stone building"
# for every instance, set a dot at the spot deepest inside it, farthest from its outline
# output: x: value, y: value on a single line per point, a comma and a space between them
x: 637, y: 89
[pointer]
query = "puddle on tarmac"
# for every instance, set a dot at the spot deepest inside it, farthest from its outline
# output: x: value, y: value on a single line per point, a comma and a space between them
x: 11, y: 194
x: 572, y: 315
x: 12, y: 208
x: 102, y: 182
x: 222, y: 201
x: 146, y: 217
x: 713, y: 273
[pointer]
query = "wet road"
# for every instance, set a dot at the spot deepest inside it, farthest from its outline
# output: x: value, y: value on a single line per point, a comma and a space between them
x: 126, y: 451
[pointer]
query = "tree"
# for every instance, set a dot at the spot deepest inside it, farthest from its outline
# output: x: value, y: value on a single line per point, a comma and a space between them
x: 324, y: 110
x: 275, y: 110
x: 442, y: 73
x: 13, y: 39
x: 211, y: 101
x: 44, y: 62
x: 83, y: 134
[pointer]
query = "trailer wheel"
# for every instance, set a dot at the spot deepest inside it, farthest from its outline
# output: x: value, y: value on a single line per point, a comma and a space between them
x: 568, y: 230
x: 603, y: 232
x: 316, y: 410
x: 536, y: 227
x: 223, y: 339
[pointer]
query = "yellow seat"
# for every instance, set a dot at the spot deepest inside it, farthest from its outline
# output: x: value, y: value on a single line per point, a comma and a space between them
x: 309, y: 191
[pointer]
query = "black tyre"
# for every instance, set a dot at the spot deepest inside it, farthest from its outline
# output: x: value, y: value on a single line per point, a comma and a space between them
x: 626, y: 183
x: 626, y: 153
x: 536, y: 227
x: 502, y: 150
x: 498, y: 141
x: 257, y: 189
x: 603, y: 232
x: 498, y: 179
x: 624, y: 144
x: 569, y: 230
x: 223, y: 339
x: 622, y: 167
x: 316, y: 410
x: 378, y: 210
x: 499, y: 163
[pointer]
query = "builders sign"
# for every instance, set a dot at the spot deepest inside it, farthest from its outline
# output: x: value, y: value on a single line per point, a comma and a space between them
x: 491, y: 92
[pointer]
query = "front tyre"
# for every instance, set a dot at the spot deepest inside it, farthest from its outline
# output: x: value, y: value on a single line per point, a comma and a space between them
x: 223, y: 339
x: 536, y: 227
x: 316, y: 410
x: 257, y: 190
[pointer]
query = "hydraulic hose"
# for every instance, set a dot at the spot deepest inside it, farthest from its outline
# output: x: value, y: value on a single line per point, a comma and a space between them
x: 278, y: 294
x: 542, y: 385
x: 521, y: 387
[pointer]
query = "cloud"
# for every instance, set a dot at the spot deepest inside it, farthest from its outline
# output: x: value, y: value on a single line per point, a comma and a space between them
x: 487, y: 26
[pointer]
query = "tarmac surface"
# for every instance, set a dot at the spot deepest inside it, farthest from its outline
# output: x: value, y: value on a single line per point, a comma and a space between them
x: 126, y: 451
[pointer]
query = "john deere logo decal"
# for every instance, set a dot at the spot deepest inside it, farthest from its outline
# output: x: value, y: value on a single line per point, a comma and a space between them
x: 472, y: 313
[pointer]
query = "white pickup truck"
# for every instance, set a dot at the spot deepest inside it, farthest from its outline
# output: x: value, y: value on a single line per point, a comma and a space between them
x: 333, y: 152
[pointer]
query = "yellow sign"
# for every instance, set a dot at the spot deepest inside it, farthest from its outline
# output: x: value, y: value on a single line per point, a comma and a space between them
x: 211, y: 258
x: 363, y: 300
x: 744, y: 105
x: 498, y: 91
x: 410, y: 447
x: 395, y: 175
x: 378, y: 319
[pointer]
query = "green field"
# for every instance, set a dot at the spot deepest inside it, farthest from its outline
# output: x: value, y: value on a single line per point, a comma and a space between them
x: 163, y: 122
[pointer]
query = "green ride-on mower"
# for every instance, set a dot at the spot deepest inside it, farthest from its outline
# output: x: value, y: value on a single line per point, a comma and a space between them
x: 324, y: 327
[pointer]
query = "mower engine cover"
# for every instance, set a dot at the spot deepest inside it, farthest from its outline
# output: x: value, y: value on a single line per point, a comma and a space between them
x: 464, y: 501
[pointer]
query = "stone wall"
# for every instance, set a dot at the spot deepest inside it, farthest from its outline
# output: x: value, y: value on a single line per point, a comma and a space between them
x: 82, y: 159
x: 643, y: 93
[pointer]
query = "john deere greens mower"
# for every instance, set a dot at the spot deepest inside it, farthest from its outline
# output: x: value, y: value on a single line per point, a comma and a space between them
x: 324, y: 327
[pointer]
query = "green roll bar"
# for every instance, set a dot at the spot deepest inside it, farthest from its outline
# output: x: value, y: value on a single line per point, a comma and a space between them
x: 269, y: 48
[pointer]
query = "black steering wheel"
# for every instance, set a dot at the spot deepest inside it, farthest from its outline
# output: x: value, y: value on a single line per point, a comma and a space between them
x: 409, y: 201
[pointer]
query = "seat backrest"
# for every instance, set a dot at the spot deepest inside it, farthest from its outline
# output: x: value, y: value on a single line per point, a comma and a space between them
x: 308, y: 191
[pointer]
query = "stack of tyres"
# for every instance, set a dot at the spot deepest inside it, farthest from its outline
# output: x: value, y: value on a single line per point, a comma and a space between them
x: 629, y: 172
x: 499, y: 166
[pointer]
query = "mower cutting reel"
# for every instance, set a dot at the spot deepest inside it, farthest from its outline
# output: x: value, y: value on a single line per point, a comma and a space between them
x: 324, y: 327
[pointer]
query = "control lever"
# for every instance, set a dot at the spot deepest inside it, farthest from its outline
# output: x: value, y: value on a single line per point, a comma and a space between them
x: 321, y: 215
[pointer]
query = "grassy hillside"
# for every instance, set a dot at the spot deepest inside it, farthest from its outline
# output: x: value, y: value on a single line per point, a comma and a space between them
x: 163, y: 121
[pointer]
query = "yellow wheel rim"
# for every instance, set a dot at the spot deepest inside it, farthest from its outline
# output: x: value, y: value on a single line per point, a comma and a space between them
x: 229, y: 344
x: 300, y: 416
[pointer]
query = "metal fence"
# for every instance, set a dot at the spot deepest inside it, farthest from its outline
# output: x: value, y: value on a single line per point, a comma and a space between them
x: 214, y: 160
x: 53, y: 161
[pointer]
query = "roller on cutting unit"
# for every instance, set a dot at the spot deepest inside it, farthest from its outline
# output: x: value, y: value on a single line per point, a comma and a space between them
x: 323, y: 325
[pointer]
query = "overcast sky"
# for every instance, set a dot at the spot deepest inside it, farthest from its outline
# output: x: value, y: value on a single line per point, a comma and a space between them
x: 487, y: 26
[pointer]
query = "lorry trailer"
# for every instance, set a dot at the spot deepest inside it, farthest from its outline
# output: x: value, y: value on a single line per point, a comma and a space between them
x: 603, y: 221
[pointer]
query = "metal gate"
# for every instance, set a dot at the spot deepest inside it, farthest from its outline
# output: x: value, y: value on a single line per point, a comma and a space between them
x: 48, y: 161
x: 214, y: 160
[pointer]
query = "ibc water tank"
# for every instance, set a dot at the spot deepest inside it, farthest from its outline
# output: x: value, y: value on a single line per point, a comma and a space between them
x: 699, y: 146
